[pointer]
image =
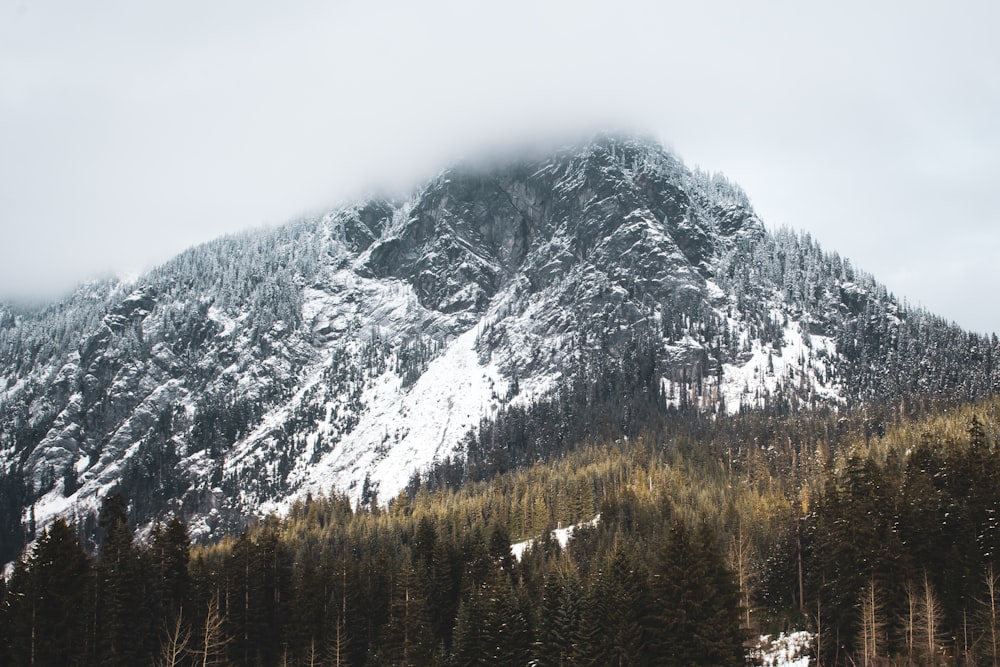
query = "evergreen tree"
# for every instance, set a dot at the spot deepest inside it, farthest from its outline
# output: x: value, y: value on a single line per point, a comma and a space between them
x: 614, y: 613
x: 340, y: 612
x: 855, y: 540
x: 125, y: 635
x: 406, y: 639
x: 625, y: 596
x: 444, y: 588
x: 45, y: 607
x: 471, y: 642
x: 170, y: 554
x: 695, y: 614
x: 591, y: 647
x: 308, y: 608
x: 13, y: 498
x: 558, y: 620
x: 424, y: 541
x: 491, y: 628
x: 258, y: 585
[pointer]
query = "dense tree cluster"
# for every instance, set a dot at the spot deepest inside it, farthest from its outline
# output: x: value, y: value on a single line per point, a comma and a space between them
x: 900, y: 550
x: 418, y: 584
x: 64, y: 607
x: 876, y: 531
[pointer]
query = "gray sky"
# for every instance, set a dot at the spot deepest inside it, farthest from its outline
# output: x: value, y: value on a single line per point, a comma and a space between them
x: 130, y: 131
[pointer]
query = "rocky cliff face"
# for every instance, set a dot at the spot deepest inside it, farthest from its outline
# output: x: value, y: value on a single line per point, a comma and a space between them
x: 363, y: 345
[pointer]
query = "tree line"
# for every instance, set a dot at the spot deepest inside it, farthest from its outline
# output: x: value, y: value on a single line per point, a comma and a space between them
x: 880, y: 537
x: 336, y: 585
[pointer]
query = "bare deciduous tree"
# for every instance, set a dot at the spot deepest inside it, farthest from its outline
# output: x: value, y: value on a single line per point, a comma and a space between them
x: 990, y: 615
x: 929, y: 637
x: 336, y: 652
x: 741, y: 563
x: 214, y: 639
x: 873, y: 624
x: 910, y: 622
x: 177, y: 642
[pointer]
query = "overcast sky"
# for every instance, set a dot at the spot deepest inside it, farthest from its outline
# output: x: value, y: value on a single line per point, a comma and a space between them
x: 130, y: 131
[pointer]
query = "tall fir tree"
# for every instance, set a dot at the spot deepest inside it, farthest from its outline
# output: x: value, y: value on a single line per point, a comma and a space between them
x: 45, y: 608
x: 558, y: 621
x: 125, y: 635
x: 695, y: 617
x: 491, y: 628
x: 407, y: 640
x: 170, y: 554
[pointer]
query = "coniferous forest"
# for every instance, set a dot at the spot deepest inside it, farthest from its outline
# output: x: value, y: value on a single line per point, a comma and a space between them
x: 876, y: 529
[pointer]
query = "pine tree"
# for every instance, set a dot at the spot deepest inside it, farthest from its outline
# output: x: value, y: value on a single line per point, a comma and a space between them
x: 310, y: 594
x: 424, y: 541
x: 259, y: 583
x: 591, y: 647
x: 614, y: 613
x: 406, y: 639
x: 499, y: 547
x: 558, y: 620
x: 48, y: 597
x: 854, y: 539
x: 339, y: 608
x: 510, y: 615
x: 696, y: 613
x: 625, y: 595
x: 471, y: 642
x: 170, y: 552
x: 491, y: 628
x: 124, y: 633
x: 444, y: 588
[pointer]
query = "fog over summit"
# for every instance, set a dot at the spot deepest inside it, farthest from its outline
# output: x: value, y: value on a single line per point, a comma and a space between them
x: 131, y: 134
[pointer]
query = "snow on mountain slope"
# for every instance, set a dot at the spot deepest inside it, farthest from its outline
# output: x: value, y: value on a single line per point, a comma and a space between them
x: 800, y: 361
x: 411, y: 427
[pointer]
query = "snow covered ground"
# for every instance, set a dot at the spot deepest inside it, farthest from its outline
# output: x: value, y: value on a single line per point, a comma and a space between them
x: 425, y: 423
x: 803, y: 362
x: 791, y: 650
x: 401, y: 429
x: 561, y: 535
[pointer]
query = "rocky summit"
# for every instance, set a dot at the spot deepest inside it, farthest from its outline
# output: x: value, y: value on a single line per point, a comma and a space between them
x: 351, y: 351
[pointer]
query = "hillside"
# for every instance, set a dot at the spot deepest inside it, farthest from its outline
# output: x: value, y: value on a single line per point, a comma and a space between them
x: 499, y: 315
x: 689, y: 543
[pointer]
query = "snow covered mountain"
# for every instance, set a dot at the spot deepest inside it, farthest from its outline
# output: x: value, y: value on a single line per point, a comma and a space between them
x: 350, y: 351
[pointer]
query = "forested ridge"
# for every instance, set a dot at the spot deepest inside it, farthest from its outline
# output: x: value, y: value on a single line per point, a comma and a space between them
x: 876, y: 529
